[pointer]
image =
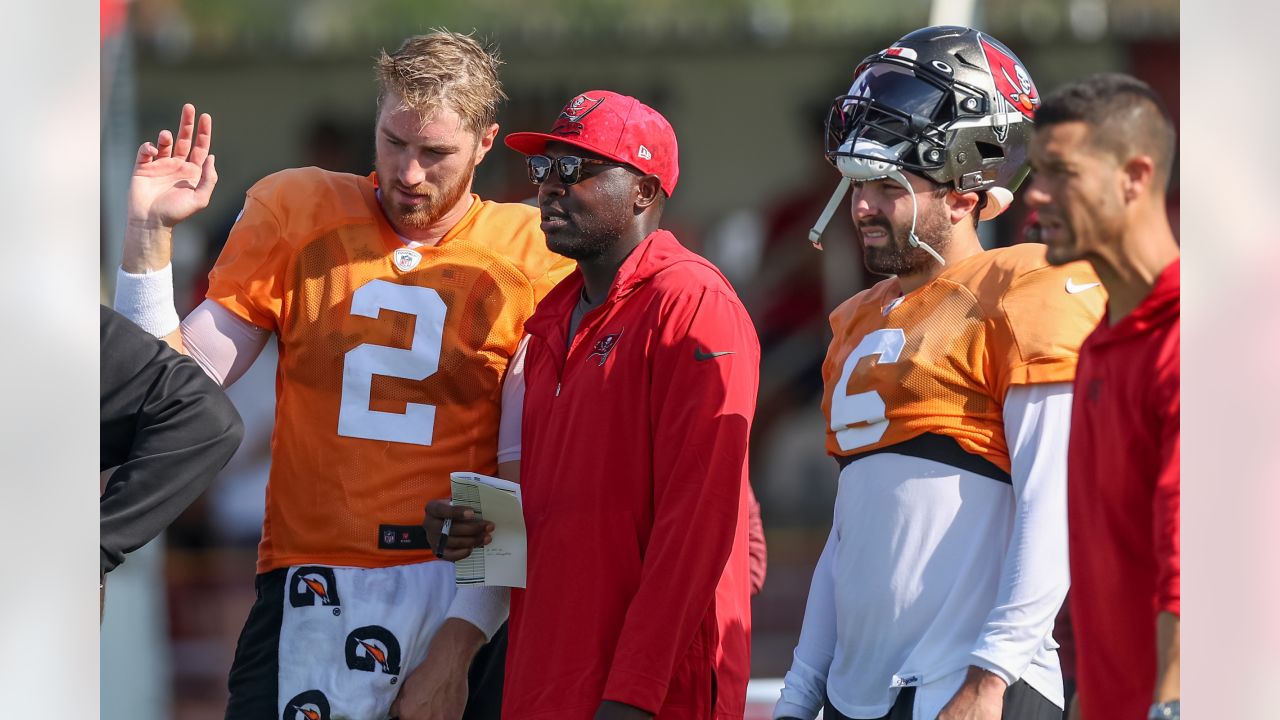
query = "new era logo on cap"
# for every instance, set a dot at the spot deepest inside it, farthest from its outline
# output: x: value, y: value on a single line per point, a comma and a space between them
x: 613, y: 126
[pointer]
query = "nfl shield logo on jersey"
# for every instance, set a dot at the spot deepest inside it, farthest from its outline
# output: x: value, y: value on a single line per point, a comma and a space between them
x: 406, y: 259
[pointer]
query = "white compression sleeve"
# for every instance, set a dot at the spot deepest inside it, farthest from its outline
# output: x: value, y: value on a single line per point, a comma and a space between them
x: 221, y: 342
x: 512, y: 406
x: 805, y: 686
x: 1034, y: 578
x: 146, y: 299
x: 486, y: 607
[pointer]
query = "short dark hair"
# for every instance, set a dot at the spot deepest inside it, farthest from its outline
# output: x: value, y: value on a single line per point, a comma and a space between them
x: 1125, y: 117
x: 943, y: 188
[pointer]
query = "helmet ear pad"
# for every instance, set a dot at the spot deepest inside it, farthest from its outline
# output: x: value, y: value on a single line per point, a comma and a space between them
x: 998, y: 200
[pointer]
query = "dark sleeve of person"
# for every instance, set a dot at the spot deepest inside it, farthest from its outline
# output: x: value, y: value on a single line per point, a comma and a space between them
x: 165, y: 426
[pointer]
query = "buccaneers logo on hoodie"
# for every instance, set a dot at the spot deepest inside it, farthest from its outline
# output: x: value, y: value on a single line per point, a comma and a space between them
x: 605, y: 345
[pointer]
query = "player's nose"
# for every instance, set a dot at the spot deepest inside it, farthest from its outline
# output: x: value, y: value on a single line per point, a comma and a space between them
x: 551, y: 188
x: 411, y: 172
x: 1037, y: 195
x: 859, y: 205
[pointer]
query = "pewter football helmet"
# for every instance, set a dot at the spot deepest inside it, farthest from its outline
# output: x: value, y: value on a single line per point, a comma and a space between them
x: 949, y: 103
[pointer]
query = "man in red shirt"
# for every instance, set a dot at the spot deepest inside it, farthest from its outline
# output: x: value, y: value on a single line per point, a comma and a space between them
x: 641, y: 375
x: 1103, y: 155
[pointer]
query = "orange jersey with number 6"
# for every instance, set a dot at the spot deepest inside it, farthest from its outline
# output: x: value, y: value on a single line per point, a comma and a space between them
x: 942, y: 359
x: 391, y: 358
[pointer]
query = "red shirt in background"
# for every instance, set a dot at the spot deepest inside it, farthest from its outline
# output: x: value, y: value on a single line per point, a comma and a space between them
x: 1123, y: 502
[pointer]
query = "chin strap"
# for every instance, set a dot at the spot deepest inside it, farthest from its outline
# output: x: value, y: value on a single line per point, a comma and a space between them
x: 867, y: 165
x: 815, y: 233
x: 896, y: 176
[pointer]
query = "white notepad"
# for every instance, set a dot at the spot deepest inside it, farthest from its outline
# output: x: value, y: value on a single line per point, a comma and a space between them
x: 502, y: 561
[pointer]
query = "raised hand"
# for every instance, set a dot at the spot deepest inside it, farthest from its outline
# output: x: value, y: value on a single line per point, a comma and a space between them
x: 173, y: 179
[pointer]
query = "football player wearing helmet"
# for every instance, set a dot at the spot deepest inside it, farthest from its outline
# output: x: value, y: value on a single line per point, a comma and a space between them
x: 947, y: 399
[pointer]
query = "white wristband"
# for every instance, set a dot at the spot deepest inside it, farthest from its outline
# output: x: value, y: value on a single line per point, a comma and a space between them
x: 147, y: 300
x: 484, y: 606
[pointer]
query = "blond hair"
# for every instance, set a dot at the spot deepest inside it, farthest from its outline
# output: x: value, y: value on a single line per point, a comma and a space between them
x: 443, y: 69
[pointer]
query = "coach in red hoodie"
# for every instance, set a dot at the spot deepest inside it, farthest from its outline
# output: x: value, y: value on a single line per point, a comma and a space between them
x: 1103, y: 154
x: 641, y: 374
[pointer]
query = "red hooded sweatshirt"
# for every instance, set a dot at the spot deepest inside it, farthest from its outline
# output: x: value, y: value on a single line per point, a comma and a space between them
x: 1123, y: 507
x: 633, y: 474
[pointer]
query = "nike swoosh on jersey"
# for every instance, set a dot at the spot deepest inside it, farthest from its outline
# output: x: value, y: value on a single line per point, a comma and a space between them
x: 700, y: 354
x: 1073, y: 288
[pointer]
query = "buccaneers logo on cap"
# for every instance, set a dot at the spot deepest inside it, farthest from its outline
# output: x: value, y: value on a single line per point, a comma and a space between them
x: 310, y: 586
x: 570, y: 120
x: 373, y: 648
x: 1011, y: 79
x: 310, y: 705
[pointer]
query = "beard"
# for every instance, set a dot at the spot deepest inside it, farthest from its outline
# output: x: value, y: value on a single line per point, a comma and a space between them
x: 436, y: 203
x: 1062, y: 249
x: 898, y: 256
x: 1064, y: 243
x: 581, y: 244
x: 592, y: 232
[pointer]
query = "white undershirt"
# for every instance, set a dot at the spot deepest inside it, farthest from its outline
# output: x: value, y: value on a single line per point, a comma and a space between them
x: 512, y: 406
x: 930, y: 569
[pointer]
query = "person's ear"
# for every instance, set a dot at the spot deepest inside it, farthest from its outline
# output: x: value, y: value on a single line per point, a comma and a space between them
x: 1137, y: 175
x: 648, y: 189
x: 961, y: 205
x: 485, y: 142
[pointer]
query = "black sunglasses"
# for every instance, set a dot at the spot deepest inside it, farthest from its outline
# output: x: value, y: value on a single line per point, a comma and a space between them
x: 568, y: 167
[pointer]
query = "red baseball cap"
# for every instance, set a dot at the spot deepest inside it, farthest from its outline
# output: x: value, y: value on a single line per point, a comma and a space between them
x: 617, y: 127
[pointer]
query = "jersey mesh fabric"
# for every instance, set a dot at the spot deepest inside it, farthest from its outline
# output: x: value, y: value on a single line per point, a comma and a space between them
x: 996, y: 319
x: 308, y: 242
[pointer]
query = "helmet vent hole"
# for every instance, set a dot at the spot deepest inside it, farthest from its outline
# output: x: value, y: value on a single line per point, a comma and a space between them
x: 965, y: 61
x: 988, y: 151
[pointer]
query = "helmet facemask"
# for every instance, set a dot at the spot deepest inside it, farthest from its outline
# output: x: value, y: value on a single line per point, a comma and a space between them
x: 894, y: 101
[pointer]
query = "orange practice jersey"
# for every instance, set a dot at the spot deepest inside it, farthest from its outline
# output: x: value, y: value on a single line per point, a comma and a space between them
x: 391, y: 359
x: 941, y: 359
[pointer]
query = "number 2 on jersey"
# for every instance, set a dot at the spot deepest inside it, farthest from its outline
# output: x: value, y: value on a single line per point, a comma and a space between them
x: 421, y: 359
x: 858, y: 420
